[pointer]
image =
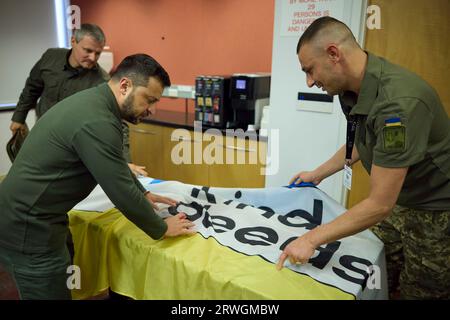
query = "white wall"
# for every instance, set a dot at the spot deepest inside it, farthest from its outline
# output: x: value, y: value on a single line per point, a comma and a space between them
x: 306, y: 139
x: 27, y: 29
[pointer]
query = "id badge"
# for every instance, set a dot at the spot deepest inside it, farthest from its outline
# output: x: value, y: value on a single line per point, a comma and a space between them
x: 348, y: 177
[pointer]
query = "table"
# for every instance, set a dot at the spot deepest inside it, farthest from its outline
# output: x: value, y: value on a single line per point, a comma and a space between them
x: 113, y: 253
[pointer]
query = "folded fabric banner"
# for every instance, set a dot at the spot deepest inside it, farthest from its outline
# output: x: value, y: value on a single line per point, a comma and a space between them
x: 261, y: 222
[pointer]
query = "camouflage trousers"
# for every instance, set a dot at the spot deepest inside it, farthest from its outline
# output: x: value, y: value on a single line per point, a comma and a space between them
x: 417, y: 245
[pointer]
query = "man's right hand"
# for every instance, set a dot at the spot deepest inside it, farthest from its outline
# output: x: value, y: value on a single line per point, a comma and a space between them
x: 17, y: 126
x: 306, y: 176
x: 178, y: 225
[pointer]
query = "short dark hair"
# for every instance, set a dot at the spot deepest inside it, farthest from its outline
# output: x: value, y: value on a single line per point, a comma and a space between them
x: 89, y: 29
x: 315, y: 27
x: 139, y: 68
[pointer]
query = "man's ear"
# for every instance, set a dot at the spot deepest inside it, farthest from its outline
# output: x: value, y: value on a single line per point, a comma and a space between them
x: 73, y: 41
x: 333, y: 53
x: 125, y: 85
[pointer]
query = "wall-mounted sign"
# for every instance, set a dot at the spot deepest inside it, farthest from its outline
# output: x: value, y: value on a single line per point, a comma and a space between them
x: 297, y: 15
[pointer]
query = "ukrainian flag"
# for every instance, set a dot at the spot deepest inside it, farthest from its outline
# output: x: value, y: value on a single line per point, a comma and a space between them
x: 392, y: 122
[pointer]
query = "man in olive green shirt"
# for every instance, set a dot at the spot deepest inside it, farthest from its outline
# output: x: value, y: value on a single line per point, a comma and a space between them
x: 401, y: 133
x: 61, y: 72
x: 61, y: 162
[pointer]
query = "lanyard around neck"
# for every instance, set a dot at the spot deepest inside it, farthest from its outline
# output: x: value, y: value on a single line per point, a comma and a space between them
x: 352, y: 124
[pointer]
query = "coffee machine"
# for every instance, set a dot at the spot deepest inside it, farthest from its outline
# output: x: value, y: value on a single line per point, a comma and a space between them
x: 212, y: 101
x: 249, y: 94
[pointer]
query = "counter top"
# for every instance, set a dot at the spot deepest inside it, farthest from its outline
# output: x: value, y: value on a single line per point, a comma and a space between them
x: 185, y: 120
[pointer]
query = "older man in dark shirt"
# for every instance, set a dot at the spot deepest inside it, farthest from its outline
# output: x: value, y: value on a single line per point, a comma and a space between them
x: 61, y: 72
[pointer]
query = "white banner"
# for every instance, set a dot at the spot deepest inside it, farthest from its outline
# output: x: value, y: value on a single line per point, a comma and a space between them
x: 263, y: 221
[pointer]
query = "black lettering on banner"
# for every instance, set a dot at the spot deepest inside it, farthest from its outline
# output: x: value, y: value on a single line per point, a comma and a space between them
x: 174, y: 209
x: 195, y: 192
x: 295, y: 213
x: 287, y: 242
x: 271, y: 237
x: 191, y: 217
x: 314, y: 220
x: 241, y: 206
x: 346, y: 261
x: 228, y: 202
x: 211, y: 221
x: 209, y: 196
x: 325, y: 255
x: 268, y: 212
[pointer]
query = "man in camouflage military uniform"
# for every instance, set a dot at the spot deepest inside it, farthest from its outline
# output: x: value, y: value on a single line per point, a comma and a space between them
x: 401, y: 134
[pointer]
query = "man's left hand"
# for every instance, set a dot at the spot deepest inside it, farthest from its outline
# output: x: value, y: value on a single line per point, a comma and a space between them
x: 138, y: 170
x: 154, y: 198
x: 298, y: 251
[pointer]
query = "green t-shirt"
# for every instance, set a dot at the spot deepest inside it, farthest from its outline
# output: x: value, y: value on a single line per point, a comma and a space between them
x: 402, y: 123
x: 74, y: 146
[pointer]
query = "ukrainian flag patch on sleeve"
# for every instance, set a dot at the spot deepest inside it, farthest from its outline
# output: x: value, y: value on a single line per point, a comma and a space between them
x: 394, y: 135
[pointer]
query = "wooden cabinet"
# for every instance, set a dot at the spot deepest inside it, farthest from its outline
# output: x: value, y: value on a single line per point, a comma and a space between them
x: 181, y: 150
x: 242, y: 162
x: 198, y: 158
x: 146, y: 148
